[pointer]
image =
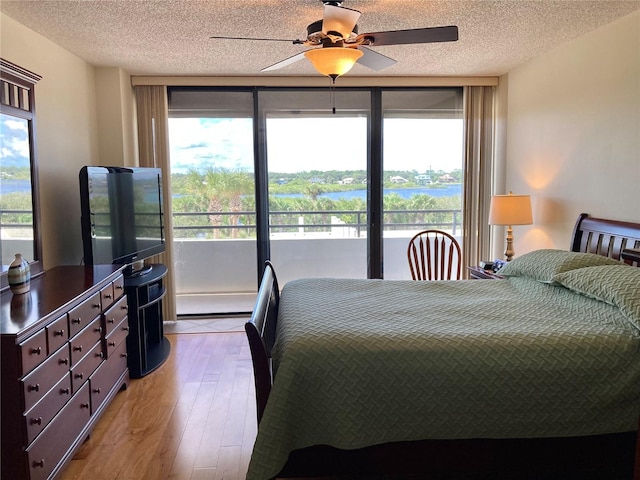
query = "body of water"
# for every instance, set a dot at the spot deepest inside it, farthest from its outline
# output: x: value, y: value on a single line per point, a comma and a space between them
x: 10, y: 186
x: 13, y: 186
x: 444, y: 191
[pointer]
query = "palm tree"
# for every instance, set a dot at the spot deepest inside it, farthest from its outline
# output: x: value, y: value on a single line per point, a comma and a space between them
x: 313, y: 190
x: 219, y: 190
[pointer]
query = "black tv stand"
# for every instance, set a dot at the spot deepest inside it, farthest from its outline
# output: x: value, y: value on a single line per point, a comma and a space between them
x: 146, y: 269
x: 147, y: 347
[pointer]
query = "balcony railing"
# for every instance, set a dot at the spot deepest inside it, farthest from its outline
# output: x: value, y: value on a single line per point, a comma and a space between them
x: 16, y: 219
x: 207, y: 223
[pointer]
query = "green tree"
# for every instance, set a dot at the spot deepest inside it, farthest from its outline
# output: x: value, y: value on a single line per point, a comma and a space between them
x: 219, y: 190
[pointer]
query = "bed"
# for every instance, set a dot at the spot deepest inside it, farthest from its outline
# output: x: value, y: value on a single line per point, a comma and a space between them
x: 533, y: 376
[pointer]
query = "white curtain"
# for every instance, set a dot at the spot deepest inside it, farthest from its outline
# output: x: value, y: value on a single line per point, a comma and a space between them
x: 153, y: 148
x: 479, y: 120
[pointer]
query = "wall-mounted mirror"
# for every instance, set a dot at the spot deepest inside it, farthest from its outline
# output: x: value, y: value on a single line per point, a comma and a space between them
x: 19, y: 213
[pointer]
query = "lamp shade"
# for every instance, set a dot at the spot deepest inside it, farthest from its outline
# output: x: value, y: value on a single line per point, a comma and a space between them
x: 510, y: 210
x: 333, y: 61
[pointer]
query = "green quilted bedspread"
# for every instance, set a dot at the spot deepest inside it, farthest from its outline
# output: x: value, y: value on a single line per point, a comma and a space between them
x: 363, y: 362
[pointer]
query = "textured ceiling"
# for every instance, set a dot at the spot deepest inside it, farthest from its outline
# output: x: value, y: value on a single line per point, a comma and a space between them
x: 171, y: 37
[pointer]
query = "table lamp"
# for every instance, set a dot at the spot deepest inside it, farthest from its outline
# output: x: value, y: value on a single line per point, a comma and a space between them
x: 510, y: 210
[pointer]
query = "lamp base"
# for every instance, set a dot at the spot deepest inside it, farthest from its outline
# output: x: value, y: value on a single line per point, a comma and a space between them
x: 509, y: 252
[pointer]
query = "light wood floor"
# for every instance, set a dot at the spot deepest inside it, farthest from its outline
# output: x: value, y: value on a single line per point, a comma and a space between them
x: 193, y: 418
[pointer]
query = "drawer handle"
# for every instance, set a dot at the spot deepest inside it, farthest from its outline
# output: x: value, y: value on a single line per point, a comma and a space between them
x: 36, y: 351
x: 111, y: 320
x: 98, y: 330
x: 124, y: 307
x: 95, y: 305
x: 34, y: 388
x: 79, y: 375
x: 76, y: 320
x: 97, y: 390
x: 58, y: 333
x: 84, y: 405
x: 36, y: 421
x: 64, y: 361
x: 119, y: 287
x: 65, y: 391
x: 78, y: 348
x: 38, y: 463
x: 100, y: 355
x: 108, y: 295
x: 111, y: 344
x: 124, y: 355
x: 126, y: 329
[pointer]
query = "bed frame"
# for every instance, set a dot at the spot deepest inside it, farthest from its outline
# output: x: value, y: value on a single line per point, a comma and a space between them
x: 611, y: 457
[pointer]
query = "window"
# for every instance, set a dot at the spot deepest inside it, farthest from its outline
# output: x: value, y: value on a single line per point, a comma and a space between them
x: 19, y: 213
x: 423, y: 149
x: 273, y: 173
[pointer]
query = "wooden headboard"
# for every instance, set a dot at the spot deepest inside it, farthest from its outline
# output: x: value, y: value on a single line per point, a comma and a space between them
x: 605, y: 237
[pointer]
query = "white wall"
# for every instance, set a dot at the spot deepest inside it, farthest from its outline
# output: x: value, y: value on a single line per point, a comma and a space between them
x: 115, y: 108
x: 573, y: 133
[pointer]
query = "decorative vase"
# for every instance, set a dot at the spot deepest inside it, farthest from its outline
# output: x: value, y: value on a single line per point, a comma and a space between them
x: 19, y: 275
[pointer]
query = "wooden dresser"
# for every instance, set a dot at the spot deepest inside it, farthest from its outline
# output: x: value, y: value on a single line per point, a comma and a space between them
x: 64, y: 357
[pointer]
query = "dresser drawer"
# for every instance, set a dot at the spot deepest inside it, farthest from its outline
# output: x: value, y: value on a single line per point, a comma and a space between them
x: 82, y: 370
x: 104, y: 377
x: 118, y: 287
x: 46, y: 451
x: 39, y: 416
x: 106, y: 296
x: 85, y: 340
x: 115, y: 315
x: 57, y: 333
x: 42, y: 379
x: 80, y: 316
x: 33, y: 351
x: 117, y: 336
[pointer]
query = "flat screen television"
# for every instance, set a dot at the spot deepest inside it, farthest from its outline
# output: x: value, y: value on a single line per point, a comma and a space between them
x: 122, y: 215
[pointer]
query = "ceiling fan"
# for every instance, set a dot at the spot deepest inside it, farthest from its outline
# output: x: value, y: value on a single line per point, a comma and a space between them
x: 338, y: 45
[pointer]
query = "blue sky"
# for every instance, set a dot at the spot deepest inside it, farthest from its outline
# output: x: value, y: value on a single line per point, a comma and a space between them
x: 14, y: 142
x: 323, y: 143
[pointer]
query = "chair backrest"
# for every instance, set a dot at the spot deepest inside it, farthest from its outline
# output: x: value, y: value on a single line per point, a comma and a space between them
x: 434, y: 255
x: 261, y: 333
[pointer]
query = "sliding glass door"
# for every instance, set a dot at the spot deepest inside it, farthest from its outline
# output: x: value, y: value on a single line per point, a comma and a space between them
x: 423, y: 150
x: 213, y: 194
x: 317, y: 182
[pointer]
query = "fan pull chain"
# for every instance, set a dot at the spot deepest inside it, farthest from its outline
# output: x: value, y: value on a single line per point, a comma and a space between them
x: 332, y: 92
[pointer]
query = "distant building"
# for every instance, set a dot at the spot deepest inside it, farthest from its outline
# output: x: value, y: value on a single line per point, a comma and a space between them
x: 423, y: 179
x: 345, y: 181
x: 398, y: 179
x: 446, y: 178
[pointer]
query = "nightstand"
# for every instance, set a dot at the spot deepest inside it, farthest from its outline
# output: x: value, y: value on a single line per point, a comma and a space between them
x: 478, y: 273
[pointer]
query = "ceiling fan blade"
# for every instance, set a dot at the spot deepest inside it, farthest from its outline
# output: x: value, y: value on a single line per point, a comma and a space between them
x: 295, y: 42
x: 416, y: 35
x: 339, y: 19
x: 284, y: 63
x: 374, y: 60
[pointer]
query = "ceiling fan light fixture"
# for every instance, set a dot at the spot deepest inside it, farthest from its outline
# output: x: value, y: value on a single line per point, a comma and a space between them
x: 333, y: 61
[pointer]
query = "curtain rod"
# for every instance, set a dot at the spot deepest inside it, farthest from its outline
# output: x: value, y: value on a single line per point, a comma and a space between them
x: 315, y: 81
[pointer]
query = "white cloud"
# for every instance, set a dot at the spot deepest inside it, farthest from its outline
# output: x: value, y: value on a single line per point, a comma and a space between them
x: 322, y: 143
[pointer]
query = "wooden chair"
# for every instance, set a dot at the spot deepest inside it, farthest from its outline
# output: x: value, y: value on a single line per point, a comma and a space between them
x: 434, y: 255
